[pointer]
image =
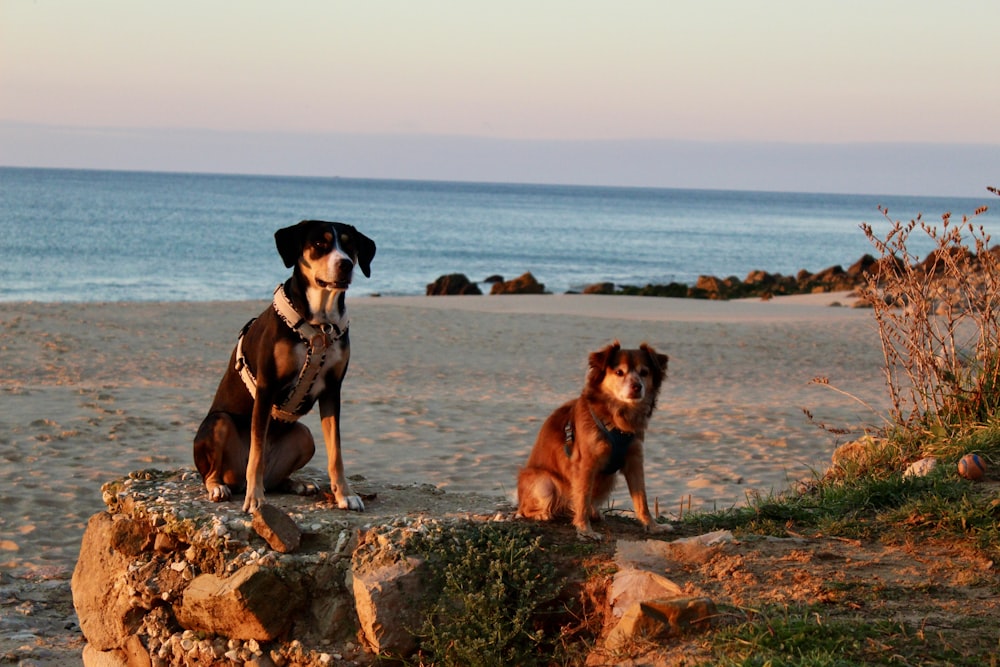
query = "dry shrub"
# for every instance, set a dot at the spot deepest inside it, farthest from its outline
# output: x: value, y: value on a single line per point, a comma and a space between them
x: 939, y: 322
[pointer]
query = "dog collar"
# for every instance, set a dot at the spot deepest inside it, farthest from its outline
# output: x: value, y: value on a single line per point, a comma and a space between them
x: 300, y: 325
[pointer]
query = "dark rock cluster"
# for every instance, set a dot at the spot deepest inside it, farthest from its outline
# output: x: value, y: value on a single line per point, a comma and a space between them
x: 757, y: 284
x: 524, y: 284
x: 455, y: 284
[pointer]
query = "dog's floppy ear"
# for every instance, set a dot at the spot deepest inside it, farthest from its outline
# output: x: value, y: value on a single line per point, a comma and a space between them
x: 366, y: 251
x: 289, y: 242
x: 599, y: 361
x: 657, y: 361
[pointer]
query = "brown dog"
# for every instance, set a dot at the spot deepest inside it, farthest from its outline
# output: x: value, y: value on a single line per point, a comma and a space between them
x: 585, y: 442
x: 295, y: 354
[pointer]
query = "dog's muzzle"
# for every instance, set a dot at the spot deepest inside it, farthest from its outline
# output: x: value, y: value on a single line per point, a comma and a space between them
x: 342, y: 274
x: 338, y: 284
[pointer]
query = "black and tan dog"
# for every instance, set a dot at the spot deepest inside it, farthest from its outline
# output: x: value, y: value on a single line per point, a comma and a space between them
x: 585, y: 442
x: 292, y: 356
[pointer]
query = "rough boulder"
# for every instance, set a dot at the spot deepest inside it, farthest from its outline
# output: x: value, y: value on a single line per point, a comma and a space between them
x: 453, y: 284
x: 523, y: 284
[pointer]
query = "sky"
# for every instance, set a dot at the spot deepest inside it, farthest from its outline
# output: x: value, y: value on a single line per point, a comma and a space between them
x: 886, y: 96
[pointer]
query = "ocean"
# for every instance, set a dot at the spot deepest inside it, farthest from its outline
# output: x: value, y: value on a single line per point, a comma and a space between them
x: 76, y: 235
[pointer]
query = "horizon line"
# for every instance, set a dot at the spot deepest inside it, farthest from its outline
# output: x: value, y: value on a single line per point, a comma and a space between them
x: 885, y: 168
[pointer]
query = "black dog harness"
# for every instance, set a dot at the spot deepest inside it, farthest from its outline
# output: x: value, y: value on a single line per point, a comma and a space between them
x: 619, y: 440
x: 317, y: 339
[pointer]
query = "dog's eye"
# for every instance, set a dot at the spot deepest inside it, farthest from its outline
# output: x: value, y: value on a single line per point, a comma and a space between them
x: 643, y: 372
x: 619, y: 372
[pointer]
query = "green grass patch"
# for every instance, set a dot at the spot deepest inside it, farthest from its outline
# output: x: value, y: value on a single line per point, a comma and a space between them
x: 804, y: 637
x: 875, y: 499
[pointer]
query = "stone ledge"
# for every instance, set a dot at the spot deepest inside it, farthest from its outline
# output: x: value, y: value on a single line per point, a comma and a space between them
x: 186, y: 579
x: 166, y: 577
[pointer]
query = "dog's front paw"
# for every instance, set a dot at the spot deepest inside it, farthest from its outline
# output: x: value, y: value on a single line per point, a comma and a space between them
x: 588, y: 535
x: 352, y: 503
x: 253, y: 502
x: 654, y: 527
x: 218, y: 493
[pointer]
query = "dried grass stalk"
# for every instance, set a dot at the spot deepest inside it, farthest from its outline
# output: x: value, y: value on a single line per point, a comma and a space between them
x: 939, y: 322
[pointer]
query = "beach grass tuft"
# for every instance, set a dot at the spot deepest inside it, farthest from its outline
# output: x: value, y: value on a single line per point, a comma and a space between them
x: 939, y: 321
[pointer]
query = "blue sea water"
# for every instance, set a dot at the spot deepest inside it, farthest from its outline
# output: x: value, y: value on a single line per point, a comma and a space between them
x: 72, y: 235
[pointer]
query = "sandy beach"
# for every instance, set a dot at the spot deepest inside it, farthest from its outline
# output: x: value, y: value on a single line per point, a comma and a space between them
x: 446, y: 390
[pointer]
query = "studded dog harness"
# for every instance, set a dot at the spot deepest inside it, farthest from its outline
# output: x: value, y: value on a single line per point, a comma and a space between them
x: 317, y: 340
x: 619, y: 440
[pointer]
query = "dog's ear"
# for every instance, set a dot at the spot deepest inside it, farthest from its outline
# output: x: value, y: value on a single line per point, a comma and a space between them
x: 366, y: 251
x: 657, y: 361
x: 289, y: 241
x: 599, y: 360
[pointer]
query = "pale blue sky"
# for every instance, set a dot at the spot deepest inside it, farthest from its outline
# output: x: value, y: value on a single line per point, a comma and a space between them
x: 516, y: 75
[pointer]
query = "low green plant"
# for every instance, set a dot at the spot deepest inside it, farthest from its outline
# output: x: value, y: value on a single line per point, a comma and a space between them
x: 493, y: 583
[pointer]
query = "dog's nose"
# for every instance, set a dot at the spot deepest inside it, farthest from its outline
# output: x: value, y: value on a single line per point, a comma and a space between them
x: 344, y: 266
x: 637, y: 387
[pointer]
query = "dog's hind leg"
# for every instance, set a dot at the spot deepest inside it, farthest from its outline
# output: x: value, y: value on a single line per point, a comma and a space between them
x: 220, y: 456
x: 297, y: 487
x: 290, y: 449
x: 537, y: 494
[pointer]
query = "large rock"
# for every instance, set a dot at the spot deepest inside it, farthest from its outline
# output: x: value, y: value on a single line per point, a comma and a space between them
x: 453, y: 284
x: 652, y: 620
x: 830, y: 279
x: 241, y: 606
x: 632, y: 585
x: 104, y: 587
x: 383, y: 598
x: 523, y: 284
x: 709, y: 287
x: 599, y: 288
x: 277, y: 528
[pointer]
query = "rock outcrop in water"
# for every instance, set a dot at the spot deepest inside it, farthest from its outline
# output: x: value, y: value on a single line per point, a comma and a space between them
x: 756, y: 284
x: 452, y: 284
x: 523, y: 284
x: 759, y: 284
